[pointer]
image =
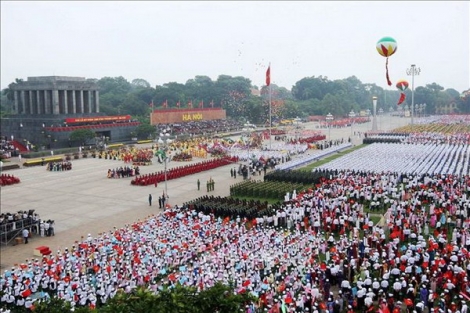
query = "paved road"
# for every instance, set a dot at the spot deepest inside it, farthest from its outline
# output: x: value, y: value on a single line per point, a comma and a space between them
x: 84, y: 201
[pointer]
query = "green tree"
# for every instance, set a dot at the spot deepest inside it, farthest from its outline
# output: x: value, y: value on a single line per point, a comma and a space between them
x: 145, y: 130
x: 133, y: 105
x: 52, y: 305
x: 81, y: 136
x: 114, y: 85
x: 140, y: 83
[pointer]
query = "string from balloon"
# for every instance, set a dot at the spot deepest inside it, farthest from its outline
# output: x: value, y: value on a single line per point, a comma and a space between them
x: 386, y: 72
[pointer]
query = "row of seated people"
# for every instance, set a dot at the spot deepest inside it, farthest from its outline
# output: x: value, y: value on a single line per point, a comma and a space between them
x: 108, y: 125
x: 7, y: 148
x: 177, y: 172
x: 12, y: 221
x: 6, y: 180
x: 121, y: 172
x: 200, y: 127
x: 59, y: 166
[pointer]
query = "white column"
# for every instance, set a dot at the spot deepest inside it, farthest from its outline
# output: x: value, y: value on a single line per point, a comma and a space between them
x: 31, y: 107
x: 39, y: 102
x: 23, y: 101
x: 89, y: 102
x: 97, y: 101
x: 47, y: 102
x: 15, y: 97
x: 81, y: 101
x: 74, y: 104
x: 55, y: 101
x: 66, y: 103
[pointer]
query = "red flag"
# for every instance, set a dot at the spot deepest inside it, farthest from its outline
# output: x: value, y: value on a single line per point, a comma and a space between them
x: 190, y: 104
x: 165, y: 104
x: 151, y: 104
x: 402, y: 98
x: 178, y: 104
x: 268, y: 76
x: 212, y: 103
x: 201, y: 104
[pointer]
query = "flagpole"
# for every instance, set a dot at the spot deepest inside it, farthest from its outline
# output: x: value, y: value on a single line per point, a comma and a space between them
x: 270, y: 100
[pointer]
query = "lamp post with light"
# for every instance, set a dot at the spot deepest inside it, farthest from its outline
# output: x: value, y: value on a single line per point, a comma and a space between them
x: 352, y: 115
x: 247, y: 132
x: 374, y: 112
x: 329, y: 118
x: 381, y: 112
x: 164, y: 145
x: 413, y: 70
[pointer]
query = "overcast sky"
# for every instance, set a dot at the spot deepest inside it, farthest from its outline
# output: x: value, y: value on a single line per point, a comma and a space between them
x: 165, y: 42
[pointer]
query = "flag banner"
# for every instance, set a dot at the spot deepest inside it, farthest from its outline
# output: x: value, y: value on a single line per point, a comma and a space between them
x: 268, y: 76
x: 201, y: 104
x: 178, y: 104
x: 190, y: 104
x: 212, y: 103
x: 151, y: 104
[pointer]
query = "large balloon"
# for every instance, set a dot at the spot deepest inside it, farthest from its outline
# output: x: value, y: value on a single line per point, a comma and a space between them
x: 402, y: 85
x: 386, y: 47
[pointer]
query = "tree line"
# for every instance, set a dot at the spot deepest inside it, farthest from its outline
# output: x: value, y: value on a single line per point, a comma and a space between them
x: 245, y: 101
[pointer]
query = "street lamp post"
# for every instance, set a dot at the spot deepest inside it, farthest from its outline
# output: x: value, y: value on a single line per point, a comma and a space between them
x: 374, y: 117
x: 352, y: 115
x: 329, y: 118
x: 247, y: 133
x: 164, y: 144
x: 381, y: 111
x: 413, y: 70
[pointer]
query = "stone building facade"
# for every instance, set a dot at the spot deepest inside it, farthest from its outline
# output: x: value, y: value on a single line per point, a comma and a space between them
x: 56, y: 95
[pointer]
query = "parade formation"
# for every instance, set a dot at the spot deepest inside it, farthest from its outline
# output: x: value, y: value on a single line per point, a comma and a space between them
x: 389, y: 236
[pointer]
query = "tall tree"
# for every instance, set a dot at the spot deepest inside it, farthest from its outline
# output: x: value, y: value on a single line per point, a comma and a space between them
x: 139, y: 83
x: 115, y: 85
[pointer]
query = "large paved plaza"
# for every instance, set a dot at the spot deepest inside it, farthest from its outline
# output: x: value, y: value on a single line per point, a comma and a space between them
x: 84, y: 201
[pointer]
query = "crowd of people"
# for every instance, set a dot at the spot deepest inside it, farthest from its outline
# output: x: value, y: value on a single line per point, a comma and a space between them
x: 180, y: 171
x: 381, y: 238
x: 11, y: 223
x: 202, y: 127
x: 123, y: 171
x: 319, y: 251
x: 418, y: 158
x: 7, y: 149
x: 7, y: 179
x: 59, y: 166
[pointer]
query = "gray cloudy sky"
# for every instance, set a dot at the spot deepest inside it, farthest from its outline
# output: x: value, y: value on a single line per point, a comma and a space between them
x: 165, y: 42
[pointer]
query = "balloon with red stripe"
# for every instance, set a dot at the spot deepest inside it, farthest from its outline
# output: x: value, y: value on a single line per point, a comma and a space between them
x: 402, y: 85
x: 386, y: 47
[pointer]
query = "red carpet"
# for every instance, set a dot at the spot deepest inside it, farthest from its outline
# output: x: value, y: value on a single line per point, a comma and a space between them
x: 19, y: 146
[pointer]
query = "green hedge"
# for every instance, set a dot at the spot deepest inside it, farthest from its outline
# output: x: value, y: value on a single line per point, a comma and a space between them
x: 10, y: 167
